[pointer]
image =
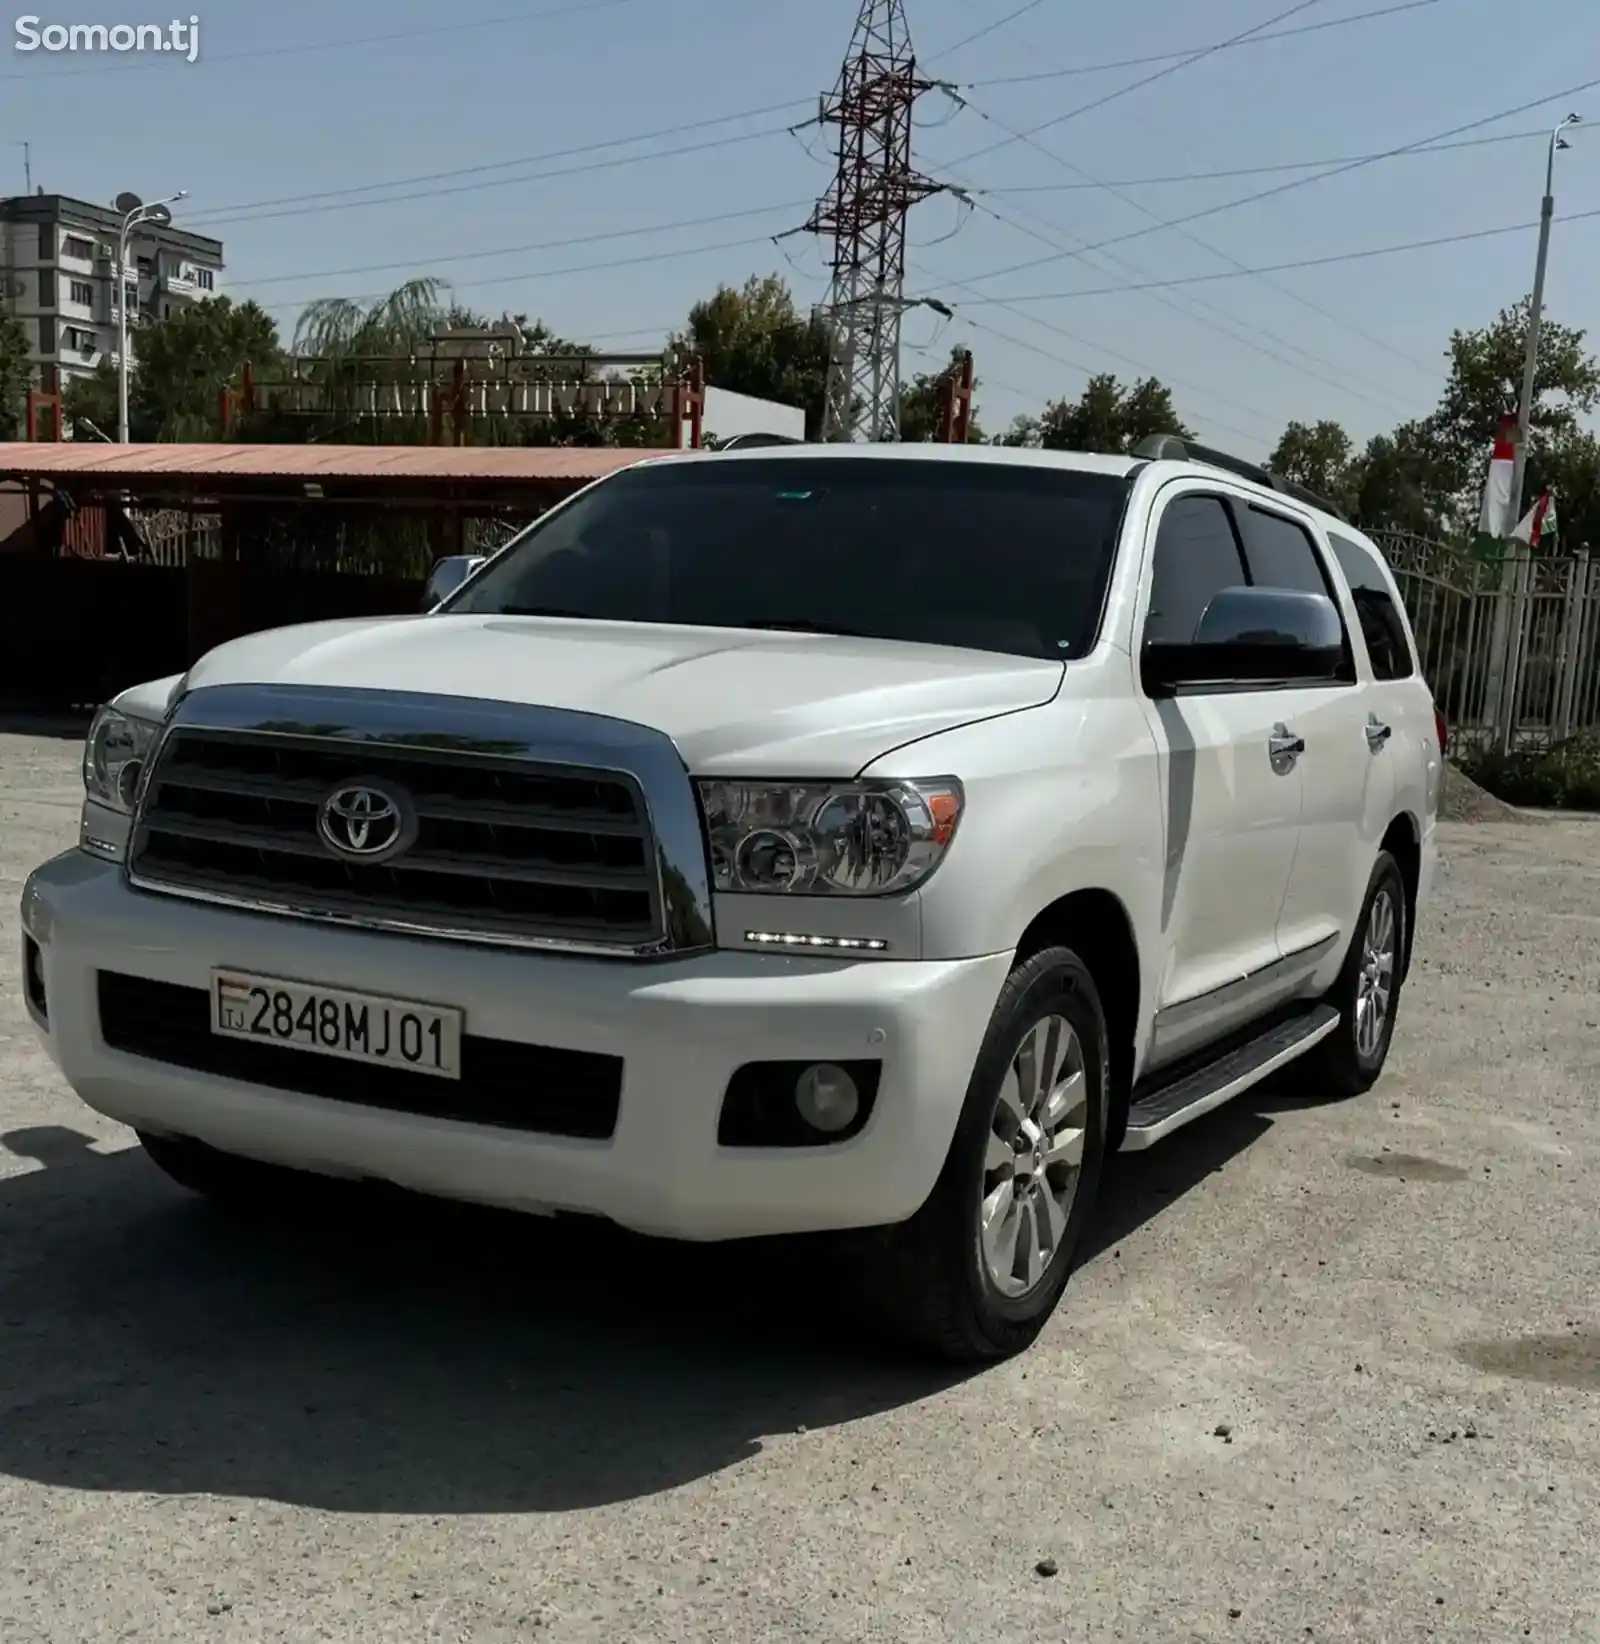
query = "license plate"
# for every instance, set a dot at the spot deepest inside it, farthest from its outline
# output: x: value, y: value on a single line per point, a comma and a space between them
x: 355, y: 1027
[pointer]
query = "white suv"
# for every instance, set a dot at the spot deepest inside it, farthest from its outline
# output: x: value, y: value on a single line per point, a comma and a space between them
x: 800, y: 840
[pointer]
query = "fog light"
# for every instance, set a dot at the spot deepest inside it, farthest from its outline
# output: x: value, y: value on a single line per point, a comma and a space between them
x: 33, y: 976
x: 827, y: 1098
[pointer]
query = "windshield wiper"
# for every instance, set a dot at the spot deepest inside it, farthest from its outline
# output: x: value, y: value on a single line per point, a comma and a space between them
x: 799, y: 625
x: 545, y: 610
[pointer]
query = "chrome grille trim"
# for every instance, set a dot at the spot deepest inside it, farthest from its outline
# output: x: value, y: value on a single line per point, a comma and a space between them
x: 478, y: 745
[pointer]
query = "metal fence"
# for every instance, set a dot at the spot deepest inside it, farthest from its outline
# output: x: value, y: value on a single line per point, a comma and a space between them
x: 1511, y: 647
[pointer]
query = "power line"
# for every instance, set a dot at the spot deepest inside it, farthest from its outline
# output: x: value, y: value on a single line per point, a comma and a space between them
x: 1175, y: 56
x: 135, y: 64
x: 262, y: 210
x: 559, y: 273
x: 987, y: 29
x: 1305, y: 182
x: 1251, y: 341
x: 1074, y: 365
x: 506, y: 165
x: 1264, y: 170
x: 986, y: 380
x: 502, y: 182
x: 516, y: 250
x: 1150, y: 79
x: 1212, y: 250
x: 1283, y: 268
x: 1099, y: 348
x: 1256, y: 338
x: 233, y: 212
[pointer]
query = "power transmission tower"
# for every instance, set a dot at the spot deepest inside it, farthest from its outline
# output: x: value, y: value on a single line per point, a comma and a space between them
x: 864, y: 213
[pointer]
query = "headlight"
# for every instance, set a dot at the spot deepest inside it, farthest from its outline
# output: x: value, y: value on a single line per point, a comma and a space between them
x: 114, y: 755
x: 828, y: 838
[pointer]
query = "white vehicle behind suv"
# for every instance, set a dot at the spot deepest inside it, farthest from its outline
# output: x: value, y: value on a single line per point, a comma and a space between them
x: 790, y: 841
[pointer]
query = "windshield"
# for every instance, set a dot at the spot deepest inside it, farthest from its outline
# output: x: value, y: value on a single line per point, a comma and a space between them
x: 989, y: 557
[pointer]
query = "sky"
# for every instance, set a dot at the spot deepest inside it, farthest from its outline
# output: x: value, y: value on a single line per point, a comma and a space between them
x: 342, y: 147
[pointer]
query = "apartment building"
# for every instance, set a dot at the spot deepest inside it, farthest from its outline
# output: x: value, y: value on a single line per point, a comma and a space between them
x: 58, y: 278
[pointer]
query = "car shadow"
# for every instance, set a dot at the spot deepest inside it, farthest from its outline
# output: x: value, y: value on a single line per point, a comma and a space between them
x: 1137, y: 1187
x: 374, y: 1352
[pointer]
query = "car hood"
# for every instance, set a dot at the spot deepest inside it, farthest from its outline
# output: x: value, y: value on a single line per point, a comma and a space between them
x: 734, y: 701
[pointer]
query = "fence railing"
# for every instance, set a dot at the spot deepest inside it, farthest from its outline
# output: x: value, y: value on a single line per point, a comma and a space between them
x: 1511, y: 647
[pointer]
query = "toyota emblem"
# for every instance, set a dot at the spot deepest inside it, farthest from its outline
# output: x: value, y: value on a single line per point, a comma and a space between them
x: 366, y: 821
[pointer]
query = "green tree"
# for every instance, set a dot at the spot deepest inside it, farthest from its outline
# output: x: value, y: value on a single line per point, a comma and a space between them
x: 180, y: 369
x: 1485, y: 382
x: 1106, y: 417
x: 89, y: 404
x: 1401, y: 483
x: 1147, y: 409
x: 1571, y: 468
x: 755, y: 341
x: 16, y: 376
x: 922, y: 403
x: 183, y: 365
x: 357, y: 358
x: 1427, y: 476
x: 1318, y: 456
x: 341, y: 329
x: 1023, y: 430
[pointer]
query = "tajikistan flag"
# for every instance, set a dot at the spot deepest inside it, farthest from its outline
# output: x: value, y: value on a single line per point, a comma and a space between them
x: 1539, y: 525
x: 1499, y: 506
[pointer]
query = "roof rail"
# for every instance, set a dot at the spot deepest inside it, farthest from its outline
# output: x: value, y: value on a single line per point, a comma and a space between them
x: 750, y: 442
x: 1170, y: 448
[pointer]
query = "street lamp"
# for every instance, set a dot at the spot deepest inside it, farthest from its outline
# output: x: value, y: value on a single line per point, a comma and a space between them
x: 1510, y: 616
x: 1530, y: 362
x: 134, y: 212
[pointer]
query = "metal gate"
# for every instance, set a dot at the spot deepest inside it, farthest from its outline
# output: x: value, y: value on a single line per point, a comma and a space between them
x: 1510, y: 647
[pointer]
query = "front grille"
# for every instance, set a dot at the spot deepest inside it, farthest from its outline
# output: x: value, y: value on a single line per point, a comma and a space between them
x: 502, y: 849
x: 512, y: 1086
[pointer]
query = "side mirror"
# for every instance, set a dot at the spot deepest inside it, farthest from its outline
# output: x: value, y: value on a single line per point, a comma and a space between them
x: 1252, y: 636
x: 447, y: 575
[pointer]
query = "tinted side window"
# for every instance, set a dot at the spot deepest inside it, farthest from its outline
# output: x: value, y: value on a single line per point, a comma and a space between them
x: 1279, y: 553
x: 1382, y: 625
x: 1196, y: 557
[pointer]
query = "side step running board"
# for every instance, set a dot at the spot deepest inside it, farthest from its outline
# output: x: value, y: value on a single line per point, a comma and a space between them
x: 1160, y: 1110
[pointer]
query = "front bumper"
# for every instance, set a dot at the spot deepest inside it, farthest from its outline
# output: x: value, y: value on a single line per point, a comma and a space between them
x: 681, y: 1027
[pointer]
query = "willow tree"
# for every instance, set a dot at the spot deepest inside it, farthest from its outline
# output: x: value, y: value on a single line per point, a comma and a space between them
x: 368, y: 361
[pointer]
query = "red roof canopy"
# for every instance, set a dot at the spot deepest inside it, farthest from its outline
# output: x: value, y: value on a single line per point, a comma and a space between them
x: 535, y: 465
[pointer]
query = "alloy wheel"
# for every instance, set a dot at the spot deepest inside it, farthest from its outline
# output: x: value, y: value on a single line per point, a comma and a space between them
x: 1034, y: 1157
x: 1375, y: 983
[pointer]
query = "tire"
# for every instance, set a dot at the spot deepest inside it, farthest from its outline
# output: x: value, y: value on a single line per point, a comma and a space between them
x: 935, y: 1278
x: 1349, y: 1061
x: 225, y: 1178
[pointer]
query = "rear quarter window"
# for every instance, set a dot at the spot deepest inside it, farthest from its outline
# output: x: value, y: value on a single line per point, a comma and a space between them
x: 1383, y: 626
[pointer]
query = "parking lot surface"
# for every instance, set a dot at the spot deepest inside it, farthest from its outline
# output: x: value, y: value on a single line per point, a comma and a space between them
x: 1331, y: 1371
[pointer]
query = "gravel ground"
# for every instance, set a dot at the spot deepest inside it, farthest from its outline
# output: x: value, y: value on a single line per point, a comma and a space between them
x: 1331, y: 1372
x: 1464, y: 801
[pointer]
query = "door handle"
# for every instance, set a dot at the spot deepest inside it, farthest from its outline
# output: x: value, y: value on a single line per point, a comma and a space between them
x: 1377, y: 732
x: 1284, y: 747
